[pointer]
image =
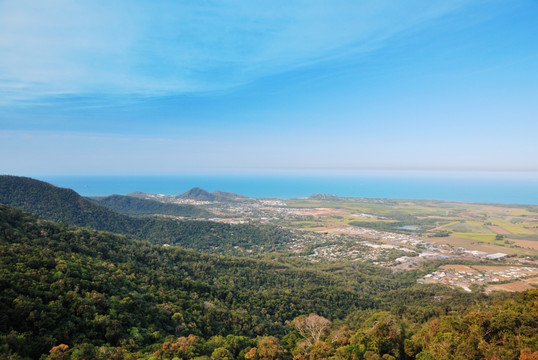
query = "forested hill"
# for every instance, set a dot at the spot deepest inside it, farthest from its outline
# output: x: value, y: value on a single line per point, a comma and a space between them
x: 130, y: 205
x: 73, y: 293
x: 65, y: 205
x: 61, y: 205
x: 62, y: 284
x: 203, y: 195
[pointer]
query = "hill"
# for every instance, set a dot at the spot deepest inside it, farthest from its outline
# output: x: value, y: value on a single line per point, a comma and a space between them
x: 135, y: 206
x: 65, y: 205
x: 69, y: 292
x: 63, y: 284
x: 199, y: 194
x: 324, y: 197
x: 61, y: 205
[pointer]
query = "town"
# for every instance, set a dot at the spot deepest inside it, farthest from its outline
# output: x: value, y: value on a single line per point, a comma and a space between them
x: 344, y: 230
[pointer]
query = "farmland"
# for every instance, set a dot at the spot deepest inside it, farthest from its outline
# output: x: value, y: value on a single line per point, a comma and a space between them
x: 505, y: 228
x: 394, y: 233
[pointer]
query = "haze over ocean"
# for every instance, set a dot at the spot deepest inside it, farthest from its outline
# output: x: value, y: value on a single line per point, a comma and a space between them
x: 519, y: 188
x: 160, y: 87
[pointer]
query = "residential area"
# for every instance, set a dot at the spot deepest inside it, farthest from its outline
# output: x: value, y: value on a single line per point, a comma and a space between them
x: 488, y: 277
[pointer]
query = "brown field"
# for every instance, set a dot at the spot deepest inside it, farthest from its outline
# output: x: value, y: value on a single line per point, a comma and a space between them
x: 495, y: 209
x: 465, y: 221
x: 492, y: 267
x: 520, y: 285
x: 326, y: 212
x: 318, y: 229
x: 499, y: 230
x: 528, y: 244
x: 474, y: 245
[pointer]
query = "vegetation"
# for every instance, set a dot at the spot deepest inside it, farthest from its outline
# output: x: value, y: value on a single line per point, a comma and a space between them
x: 65, y: 205
x: 429, y: 216
x: 133, y: 206
x: 203, y: 195
x: 69, y: 292
x: 378, y: 225
x: 69, y: 284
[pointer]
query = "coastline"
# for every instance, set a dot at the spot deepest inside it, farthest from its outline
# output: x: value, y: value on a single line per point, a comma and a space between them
x: 502, y: 189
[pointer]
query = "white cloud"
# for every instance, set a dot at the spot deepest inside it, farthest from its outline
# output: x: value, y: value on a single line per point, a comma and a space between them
x: 158, y: 47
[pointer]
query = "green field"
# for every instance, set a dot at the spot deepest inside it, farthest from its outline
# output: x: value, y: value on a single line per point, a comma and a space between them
x: 475, y: 223
x: 513, y: 228
x: 478, y: 237
x: 468, y: 227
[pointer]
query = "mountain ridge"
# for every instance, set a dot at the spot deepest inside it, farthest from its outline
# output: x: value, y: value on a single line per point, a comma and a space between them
x: 67, y: 206
x: 195, y: 193
x: 200, y: 194
x: 84, y: 273
x: 139, y: 206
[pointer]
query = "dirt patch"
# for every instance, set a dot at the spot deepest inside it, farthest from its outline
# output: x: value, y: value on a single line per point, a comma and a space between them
x: 529, y: 244
x: 495, y: 209
x: 498, y: 230
x: 492, y: 267
x: 520, y: 285
x: 325, y: 212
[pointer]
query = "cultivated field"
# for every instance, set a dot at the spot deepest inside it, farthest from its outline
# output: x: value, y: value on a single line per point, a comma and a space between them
x: 492, y: 228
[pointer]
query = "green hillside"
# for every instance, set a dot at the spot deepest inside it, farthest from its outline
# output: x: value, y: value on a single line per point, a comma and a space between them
x: 129, y: 205
x: 61, y: 205
x: 203, y: 195
x: 73, y: 293
x: 65, y: 205
x: 62, y: 284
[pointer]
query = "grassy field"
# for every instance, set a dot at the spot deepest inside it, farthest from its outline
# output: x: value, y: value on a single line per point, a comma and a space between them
x: 477, y: 237
x: 522, y: 212
x: 512, y: 228
x: 365, y: 220
x: 530, y: 226
x: 467, y: 227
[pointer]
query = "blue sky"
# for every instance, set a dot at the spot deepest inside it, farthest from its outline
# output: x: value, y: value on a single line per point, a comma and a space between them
x: 165, y: 87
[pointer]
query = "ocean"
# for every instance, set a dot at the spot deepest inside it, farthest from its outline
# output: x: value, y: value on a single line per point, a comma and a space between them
x: 507, y: 188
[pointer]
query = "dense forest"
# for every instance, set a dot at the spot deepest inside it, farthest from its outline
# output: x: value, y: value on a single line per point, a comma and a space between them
x: 134, y: 206
x: 65, y: 205
x: 82, y: 281
x: 203, y: 195
x: 69, y: 292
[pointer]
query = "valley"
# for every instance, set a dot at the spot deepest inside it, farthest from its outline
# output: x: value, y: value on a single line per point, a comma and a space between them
x: 397, y: 234
x: 221, y: 276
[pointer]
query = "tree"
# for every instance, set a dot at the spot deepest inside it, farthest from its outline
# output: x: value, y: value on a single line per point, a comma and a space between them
x: 268, y: 348
x: 221, y: 353
x: 59, y: 352
x: 526, y: 354
x: 311, y: 327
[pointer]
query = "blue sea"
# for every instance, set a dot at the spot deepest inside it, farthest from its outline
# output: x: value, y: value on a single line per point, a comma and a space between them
x: 507, y: 188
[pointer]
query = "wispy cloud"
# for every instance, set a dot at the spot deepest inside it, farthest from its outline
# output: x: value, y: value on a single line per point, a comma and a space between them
x: 160, y: 47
